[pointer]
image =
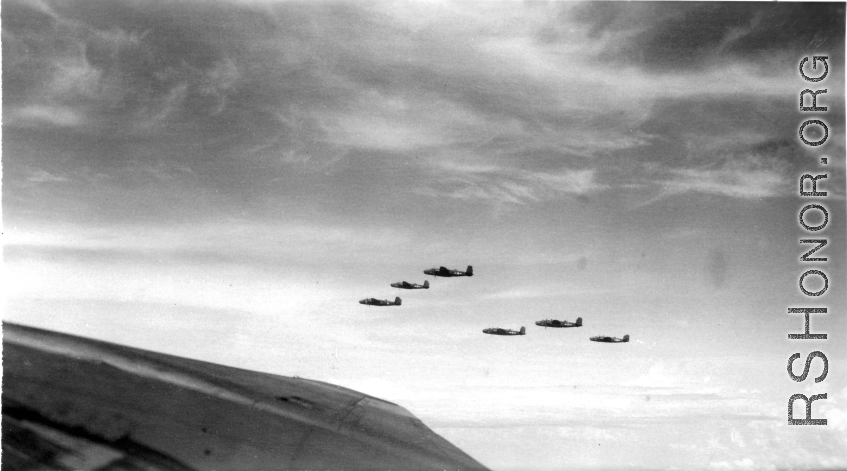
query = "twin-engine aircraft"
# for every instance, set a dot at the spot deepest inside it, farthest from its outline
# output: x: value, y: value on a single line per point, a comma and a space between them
x: 499, y: 331
x: 603, y: 338
x: 407, y: 285
x: 381, y: 302
x: 442, y: 271
x: 555, y: 323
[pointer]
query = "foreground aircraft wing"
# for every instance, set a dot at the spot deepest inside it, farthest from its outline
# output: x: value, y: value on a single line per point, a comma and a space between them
x: 75, y: 403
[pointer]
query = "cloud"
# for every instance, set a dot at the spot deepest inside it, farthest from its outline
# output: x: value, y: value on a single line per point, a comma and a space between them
x: 43, y: 176
x: 741, y: 464
x: 306, y: 89
x: 254, y: 169
x: 505, y: 184
x: 660, y: 37
x: 400, y: 123
x: 99, y: 78
x: 658, y: 377
x: 36, y: 115
x: 737, y: 183
x: 737, y: 149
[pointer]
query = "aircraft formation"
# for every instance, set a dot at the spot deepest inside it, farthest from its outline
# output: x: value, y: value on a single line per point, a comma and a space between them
x: 441, y: 271
x: 448, y: 273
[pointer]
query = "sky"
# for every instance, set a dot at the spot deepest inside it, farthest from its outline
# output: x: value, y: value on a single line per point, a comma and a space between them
x: 224, y: 181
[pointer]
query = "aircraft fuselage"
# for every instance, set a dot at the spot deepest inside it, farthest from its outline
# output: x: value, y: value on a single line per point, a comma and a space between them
x: 557, y: 324
x: 605, y: 339
x: 380, y: 302
x: 499, y: 331
x: 446, y: 272
x: 407, y: 285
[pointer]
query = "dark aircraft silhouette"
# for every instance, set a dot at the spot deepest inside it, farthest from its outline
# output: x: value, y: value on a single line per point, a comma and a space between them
x: 603, y: 338
x: 555, y: 323
x: 75, y: 403
x: 499, y: 331
x: 381, y: 302
x: 448, y: 273
x: 407, y: 285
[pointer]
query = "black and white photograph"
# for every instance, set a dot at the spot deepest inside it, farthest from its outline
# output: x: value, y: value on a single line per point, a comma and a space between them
x: 337, y: 235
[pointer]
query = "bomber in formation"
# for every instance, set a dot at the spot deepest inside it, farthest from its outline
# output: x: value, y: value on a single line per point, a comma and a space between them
x: 606, y: 339
x: 446, y: 272
x: 407, y: 285
x: 555, y: 323
x: 381, y: 302
x: 499, y: 331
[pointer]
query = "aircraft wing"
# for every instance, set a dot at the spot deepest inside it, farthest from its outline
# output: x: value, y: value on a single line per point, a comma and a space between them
x: 75, y: 403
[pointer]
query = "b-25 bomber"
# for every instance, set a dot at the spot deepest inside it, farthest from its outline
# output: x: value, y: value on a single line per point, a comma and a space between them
x: 446, y: 272
x: 605, y: 339
x: 381, y: 302
x: 555, y: 323
x: 407, y: 285
x: 499, y: 331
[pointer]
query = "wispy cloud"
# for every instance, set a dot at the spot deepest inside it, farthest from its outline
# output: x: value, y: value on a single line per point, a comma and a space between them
x: 531, y: 89
x: 43, y: 176
x: 37, y: 115
x: 737, y: 176
x: 728, y: 182
x: 505, y: 184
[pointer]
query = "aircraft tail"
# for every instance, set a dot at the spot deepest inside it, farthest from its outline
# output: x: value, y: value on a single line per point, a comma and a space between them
x: 398, y: 301
x: 626, y: 338
x: 523, y: 329
x: 469, y: 272
x: 426, y: 284
x: 579, y: 322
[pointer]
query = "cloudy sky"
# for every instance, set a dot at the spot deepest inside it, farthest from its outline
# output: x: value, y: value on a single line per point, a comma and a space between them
x: 224, y: 181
